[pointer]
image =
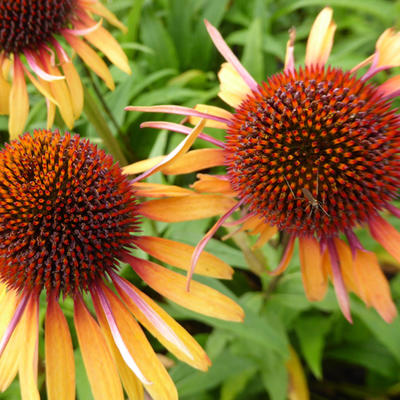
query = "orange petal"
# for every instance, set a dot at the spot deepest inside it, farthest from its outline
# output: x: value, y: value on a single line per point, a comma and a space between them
x: 213, y: 184
x: 162, y: 386
x: 386, y: 235
x: 390, y: 87
x: 75, y: 87
x: 178, y: 209
x: 100, y: 367
x: 374, y: 284
x: 179, y: 255
x: 145, y: 189
x: 287, y: 256
x: 195, y: 160
x: 314, y: 279
x: 265, y: 235
x: 29, y: 351
x: 199, y: 358
x: 212, y: 110
x: 103, y: 40
x: 233, y: 89
x: 60, y: 365
x: 320, y: 39
x: 142, y: 165
x: 19, y: 101
x: 90, y: 57
x: 200, y: 298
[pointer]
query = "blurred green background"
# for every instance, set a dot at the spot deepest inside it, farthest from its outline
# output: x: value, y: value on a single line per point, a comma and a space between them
x: 173, y: 61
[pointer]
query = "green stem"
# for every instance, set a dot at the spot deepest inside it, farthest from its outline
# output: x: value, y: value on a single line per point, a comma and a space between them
x: 96, y: 118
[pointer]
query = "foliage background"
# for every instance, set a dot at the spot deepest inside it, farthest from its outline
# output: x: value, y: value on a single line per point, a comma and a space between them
x: 174, y: 62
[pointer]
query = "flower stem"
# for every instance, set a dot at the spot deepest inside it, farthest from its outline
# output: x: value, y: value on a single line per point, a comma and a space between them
x: 96, y: 118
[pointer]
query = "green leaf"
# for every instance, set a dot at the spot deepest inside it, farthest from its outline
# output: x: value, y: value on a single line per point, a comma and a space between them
x: 275, y: 377
x: 311, y: 331
x: 252, y: 58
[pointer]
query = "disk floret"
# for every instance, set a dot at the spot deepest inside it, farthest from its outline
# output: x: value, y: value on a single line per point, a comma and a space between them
x: 66, y: 213
x: 314, y: 151
x: 26, y: 25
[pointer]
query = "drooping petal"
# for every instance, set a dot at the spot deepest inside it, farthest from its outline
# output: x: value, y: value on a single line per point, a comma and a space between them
x: 106, y: 43
x: 5, y: 89
x: 103, y: 11
x: 298, y: 389
x: 28, y: 362
x: 227, y: 53
x: 391, y: 87
x: 179, y: 255
x: 142, y: 165
x: 374, y: 284
x: 18, y: 101
x: 99, y: 364
x: 198, y: 358
x: 172, y: 285
x: 212, y: 110
x: 289, y: 57
x: 90, y: 57
x: 75, y: 87
x: 338, y: 282
x: 178, y: 209
x: 175, y: 154
x: 320, y: 39
x: 147, y: 189
x: 315, y: 282
x: 233, y: 89
x: 60, y: 364
x: 268, y: 232
x: 161, y: 386
x: 386, y: 235
x: 287, y: 256
x: 42, y: 87
x: 195, y: 160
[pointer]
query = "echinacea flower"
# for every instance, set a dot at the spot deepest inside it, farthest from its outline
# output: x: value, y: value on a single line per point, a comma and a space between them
x: 30, y: 34
x: 312, y: 152
x: 68, y: 215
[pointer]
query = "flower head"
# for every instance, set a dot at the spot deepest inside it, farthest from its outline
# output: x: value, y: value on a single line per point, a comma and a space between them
x: 30, y: 34
x: 68, y: 216
x: 313, y: 152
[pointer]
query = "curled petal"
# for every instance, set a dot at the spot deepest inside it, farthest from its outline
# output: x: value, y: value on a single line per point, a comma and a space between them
x: 38, y: 70
x: 320, y: 39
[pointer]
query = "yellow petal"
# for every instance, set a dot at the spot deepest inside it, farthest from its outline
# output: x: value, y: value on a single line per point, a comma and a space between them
x: 314, y: 279
x: 298, y: 389
x: 320, y: 39
x: 103, y: 40
x: 374, y: 284
x: 162, y: 386
x: 179, y: 255
x: 178, y: 209
x: 267, y: 233
x: 212, y: 110
x: 99, y: 364
x: 199, y: 358
x: 388, y: 49
x: 233, y: 89
x: 75, y: 87
x: 90, y: 57
x: 5, y: 89
x: 42, y: 86
x: 60, y: 365
x: 142, y: 165
x: 200, y: 298
x: 102, y: 11
x: 19, y: 101
x: 195, y: 160
x: 29, y: 351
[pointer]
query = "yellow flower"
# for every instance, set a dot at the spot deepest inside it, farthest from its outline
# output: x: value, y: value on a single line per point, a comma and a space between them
x: 68, y: 215
x: 312, y: 152
x: 29, y: 45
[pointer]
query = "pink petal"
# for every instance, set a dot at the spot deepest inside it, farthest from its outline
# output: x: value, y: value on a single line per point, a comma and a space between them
x: 227, y: 53
x: 39, y: 71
